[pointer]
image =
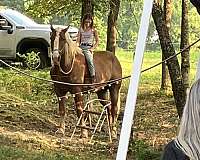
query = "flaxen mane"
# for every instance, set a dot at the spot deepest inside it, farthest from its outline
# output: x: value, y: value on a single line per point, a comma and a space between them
x: 72, y: 49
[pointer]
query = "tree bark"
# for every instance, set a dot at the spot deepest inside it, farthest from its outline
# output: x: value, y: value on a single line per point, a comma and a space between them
x: 112, y: 21
x: 87, y: 7
x: 167, y: 15
x: 168, y: 51
x: 185, y: 57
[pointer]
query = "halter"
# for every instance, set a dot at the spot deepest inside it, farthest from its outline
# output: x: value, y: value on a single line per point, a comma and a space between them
x: 61, y: 53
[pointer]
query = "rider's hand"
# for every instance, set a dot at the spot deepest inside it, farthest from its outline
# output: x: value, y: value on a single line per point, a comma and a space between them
x: 91, y: 49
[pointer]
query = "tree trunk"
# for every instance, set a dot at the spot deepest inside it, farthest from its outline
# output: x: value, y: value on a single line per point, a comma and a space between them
x: 111, y: 30
x: 173, y: 65
x: 87, y: 7
x: 167, y: 17
x: 185, y: 57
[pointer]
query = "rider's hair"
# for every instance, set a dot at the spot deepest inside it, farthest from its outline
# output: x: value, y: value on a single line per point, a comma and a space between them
x: 87, y: 16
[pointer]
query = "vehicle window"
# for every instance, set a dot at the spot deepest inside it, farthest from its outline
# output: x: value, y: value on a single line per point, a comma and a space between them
x: 19, y: 18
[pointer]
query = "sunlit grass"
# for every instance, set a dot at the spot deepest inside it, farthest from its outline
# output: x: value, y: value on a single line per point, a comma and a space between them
x: 151, y: 58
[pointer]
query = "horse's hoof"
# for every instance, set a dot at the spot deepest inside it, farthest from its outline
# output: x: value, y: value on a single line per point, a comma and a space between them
x: 60, y: 131
x: 84, y: 133
x: 114, y: 133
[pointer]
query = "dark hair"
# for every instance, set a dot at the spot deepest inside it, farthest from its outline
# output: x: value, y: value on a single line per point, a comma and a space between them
x: 87, y: 16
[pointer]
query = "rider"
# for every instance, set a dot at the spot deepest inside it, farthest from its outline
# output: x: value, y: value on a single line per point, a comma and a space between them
x: 88, y: 40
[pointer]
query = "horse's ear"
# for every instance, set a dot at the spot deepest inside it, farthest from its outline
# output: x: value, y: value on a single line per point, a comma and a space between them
x: 52, y: 29
x: 66, y: 29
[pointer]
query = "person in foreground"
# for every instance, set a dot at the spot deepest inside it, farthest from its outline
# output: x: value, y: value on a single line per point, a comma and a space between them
x: 196, y: 3
x: 186, y: 146
x: 88, y: 40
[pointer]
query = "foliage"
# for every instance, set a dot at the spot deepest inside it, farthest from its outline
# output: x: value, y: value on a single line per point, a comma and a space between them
x: 176, y: 24
x: 101, y: 32
x: 48, y: 10
x: 69, y: 12
x: 60, y: 10
x: 128, y: 23
x: 17, y: 4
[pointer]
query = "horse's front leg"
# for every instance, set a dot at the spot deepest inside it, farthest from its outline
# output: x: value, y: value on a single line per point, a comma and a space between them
x: 79, y: 109
x: 61, y: 128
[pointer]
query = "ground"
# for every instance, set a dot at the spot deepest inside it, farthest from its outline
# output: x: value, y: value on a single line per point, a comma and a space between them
x: 31, y: 126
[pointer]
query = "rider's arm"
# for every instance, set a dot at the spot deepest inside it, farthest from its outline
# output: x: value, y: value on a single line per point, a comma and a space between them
x: 96, y: 36
x: 78, y: 41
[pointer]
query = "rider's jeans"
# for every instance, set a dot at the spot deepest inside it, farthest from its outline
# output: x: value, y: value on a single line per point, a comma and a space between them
x: 89, y: 59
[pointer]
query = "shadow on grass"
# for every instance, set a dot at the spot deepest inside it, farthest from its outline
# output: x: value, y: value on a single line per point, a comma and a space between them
x: 138, y: 150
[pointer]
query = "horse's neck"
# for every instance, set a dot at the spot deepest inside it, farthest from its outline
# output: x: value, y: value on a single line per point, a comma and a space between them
x: 67, y: 59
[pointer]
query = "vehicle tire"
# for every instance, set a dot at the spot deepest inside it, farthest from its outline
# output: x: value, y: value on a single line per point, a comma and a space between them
x: 35, y: 58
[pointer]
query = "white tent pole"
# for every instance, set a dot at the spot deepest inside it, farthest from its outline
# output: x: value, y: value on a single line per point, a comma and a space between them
x: 134, y: 82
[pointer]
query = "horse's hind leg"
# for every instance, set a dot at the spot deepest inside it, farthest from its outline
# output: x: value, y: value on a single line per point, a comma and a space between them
x: 115, y: 106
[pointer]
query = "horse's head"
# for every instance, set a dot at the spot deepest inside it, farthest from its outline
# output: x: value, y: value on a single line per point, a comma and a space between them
x: 58, y: 40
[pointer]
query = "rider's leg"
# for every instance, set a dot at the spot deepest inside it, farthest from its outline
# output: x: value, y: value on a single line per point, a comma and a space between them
x: 89, y: 59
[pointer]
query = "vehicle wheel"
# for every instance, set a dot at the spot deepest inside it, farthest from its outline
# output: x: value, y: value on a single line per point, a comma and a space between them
x: 34, y: 58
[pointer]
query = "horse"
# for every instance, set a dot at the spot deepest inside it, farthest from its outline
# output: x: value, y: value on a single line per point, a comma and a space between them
x: 69, y: 66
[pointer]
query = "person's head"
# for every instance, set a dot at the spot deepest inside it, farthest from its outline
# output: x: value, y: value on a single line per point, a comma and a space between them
x: 189, y: 134
x: 87, y: 21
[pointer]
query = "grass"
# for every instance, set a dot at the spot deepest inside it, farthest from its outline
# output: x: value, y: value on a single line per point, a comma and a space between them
x: 15, y: 153
x: 28, y: 117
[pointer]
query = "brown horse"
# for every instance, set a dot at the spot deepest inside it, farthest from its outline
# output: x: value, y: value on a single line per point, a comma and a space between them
x: 69, y: 66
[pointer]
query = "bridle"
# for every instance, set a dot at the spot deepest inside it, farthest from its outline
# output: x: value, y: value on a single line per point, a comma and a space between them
x: 60, y: 51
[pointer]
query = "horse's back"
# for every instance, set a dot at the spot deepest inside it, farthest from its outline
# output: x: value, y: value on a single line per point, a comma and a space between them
x: 107, y: 63
x: 105, y: 56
